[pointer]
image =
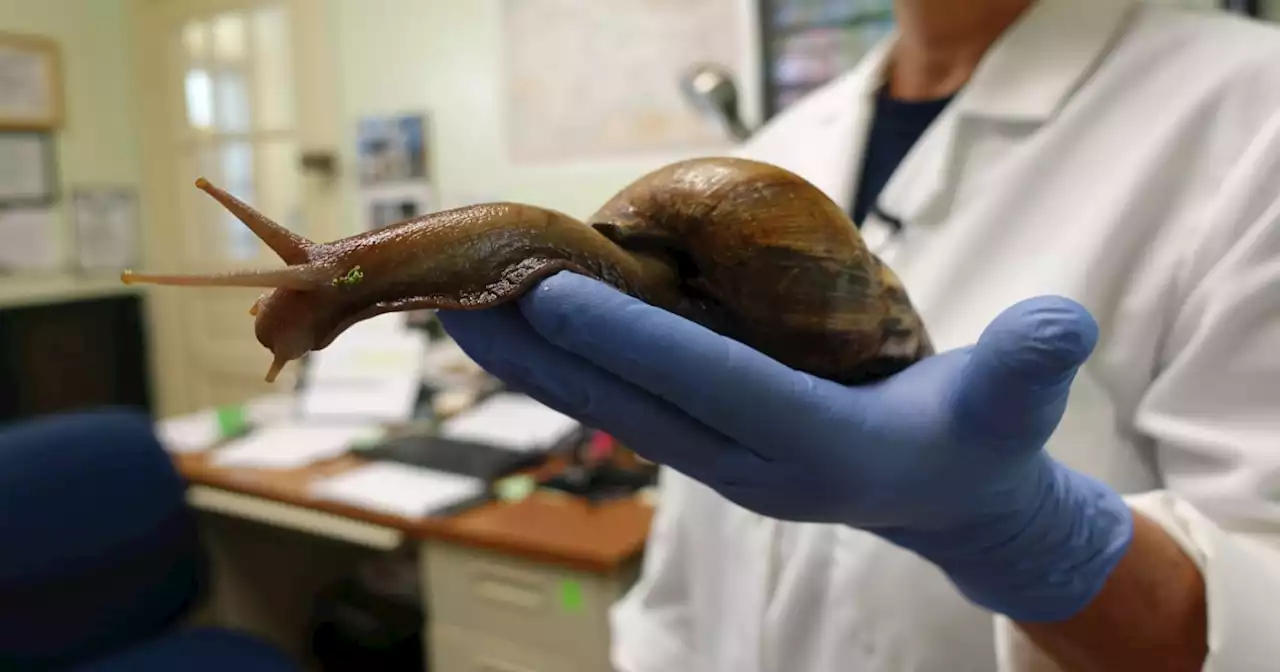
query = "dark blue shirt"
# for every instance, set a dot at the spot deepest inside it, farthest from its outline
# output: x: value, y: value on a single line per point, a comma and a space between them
x: 895, y: 128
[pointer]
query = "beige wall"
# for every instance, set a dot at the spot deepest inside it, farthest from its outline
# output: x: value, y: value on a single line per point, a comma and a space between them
x: 442, y: 57
x: 99, y: 141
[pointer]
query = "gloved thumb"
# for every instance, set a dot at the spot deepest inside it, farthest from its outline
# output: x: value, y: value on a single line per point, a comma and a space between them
x: 1016, y: 380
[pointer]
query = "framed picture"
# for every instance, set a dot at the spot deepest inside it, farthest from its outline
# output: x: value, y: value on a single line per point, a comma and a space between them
x: 30, y: 83
x: 27, y: 172
x: 394, y: 203
x: 1247, y: 7
x: 392, y: 149
x: 105, y: 222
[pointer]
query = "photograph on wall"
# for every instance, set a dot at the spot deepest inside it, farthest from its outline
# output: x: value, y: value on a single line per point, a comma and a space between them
x: 392, y: 149
x: 385, y: 205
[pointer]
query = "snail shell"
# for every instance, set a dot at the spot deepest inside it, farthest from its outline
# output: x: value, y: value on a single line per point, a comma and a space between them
x: 747, y: 249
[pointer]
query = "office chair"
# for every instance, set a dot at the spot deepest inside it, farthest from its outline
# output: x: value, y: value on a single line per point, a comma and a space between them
x: 101, y: 560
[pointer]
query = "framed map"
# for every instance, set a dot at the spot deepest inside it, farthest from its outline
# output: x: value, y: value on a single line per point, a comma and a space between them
x: 586, y: 80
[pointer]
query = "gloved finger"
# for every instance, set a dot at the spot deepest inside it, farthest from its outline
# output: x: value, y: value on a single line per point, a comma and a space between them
x: 726, y: 385
x: 504, y: 344
x: 1019, y: 373
x: 484, y: 335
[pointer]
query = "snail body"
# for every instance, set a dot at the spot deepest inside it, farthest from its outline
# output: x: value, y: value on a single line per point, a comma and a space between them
x: 747, y: 249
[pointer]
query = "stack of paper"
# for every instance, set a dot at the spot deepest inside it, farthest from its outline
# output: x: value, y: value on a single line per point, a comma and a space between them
x: 512, y: 421
x: 292, y: 445
x: 192, y: 433
x: 271, y: 409
x: 374, y: 372
x: 399, y: 489
x: 203, y: 429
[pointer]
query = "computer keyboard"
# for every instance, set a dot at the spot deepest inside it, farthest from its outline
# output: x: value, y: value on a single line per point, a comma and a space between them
x: 454, y: 456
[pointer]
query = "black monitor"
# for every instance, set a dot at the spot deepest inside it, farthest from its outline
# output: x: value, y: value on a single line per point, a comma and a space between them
x: 68, y: 355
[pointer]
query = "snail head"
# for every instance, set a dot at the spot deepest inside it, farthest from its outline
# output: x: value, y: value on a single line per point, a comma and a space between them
x: 297, y: 314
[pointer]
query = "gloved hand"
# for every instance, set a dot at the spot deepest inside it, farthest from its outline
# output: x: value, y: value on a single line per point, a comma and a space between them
x: 944, y: 459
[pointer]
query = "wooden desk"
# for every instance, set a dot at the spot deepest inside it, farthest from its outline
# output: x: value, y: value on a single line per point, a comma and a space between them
x: 523, y: 585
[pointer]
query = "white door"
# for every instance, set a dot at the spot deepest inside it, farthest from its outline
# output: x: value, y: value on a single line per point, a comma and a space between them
x: 235, y: 91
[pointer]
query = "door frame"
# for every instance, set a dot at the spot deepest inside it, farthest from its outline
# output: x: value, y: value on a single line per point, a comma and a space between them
x: 316, y: 46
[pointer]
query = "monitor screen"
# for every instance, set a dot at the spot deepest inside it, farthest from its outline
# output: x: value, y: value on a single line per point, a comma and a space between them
x: 73, y: 355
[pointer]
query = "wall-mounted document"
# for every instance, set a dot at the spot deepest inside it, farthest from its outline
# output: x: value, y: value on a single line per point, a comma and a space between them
x: 26, y: 168
x: 29, y: 240
x: 106, y: 228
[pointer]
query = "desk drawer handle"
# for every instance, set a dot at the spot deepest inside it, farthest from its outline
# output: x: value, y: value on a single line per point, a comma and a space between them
x: 508, y: 594
x: 491, y: 665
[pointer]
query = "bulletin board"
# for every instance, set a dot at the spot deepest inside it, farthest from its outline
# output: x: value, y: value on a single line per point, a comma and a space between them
x: 807, y: 43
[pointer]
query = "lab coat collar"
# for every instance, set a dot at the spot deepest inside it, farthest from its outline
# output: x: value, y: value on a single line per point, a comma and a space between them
x: 1028, y: 75
x: 1034, y: 67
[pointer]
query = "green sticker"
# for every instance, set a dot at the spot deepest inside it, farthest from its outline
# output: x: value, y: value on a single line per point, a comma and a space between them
x: 369, y: 439
x: 571, y: 596
x: 231, y: 420
x: 515, y: 488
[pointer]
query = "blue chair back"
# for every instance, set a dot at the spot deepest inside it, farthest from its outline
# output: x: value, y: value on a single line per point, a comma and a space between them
x: 98, y: 549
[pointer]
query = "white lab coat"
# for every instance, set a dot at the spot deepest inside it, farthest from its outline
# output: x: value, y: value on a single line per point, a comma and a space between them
x: 1127, y: 157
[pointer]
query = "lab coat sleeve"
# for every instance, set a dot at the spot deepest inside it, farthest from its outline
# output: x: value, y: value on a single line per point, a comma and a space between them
x: 651, y: 626
x: 1213, y: 417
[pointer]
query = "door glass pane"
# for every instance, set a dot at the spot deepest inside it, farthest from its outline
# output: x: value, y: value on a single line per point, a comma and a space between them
x: 236, y: 167
x: 278, y: 182
x: 229, y: 44
x: 239, y: 78
x: 199, y: 94
x: 233, y: 101
x: 273, y: 68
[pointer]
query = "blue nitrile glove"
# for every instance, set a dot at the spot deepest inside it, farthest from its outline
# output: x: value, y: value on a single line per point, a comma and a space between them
x: 944, y: 459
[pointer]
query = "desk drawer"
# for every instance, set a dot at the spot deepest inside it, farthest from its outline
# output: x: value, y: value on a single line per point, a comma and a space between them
x: 455, y: 649
x: 518, y: 601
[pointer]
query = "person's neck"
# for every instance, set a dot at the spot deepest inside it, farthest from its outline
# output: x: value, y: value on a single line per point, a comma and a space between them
x: 941, y: 42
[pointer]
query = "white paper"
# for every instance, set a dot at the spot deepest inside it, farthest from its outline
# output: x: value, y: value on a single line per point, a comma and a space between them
x: 291, y: 446
x: 271, y: 409
x: 372, y: 373
x: 512, y: 421
x: 399, y: 489
x: 25, y: 77
x: 28, y: 239
x: 191, y: 433
x: 106, y: 226
x: 391, y: 400
x: 386, y: 324
x: 24, y: 167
